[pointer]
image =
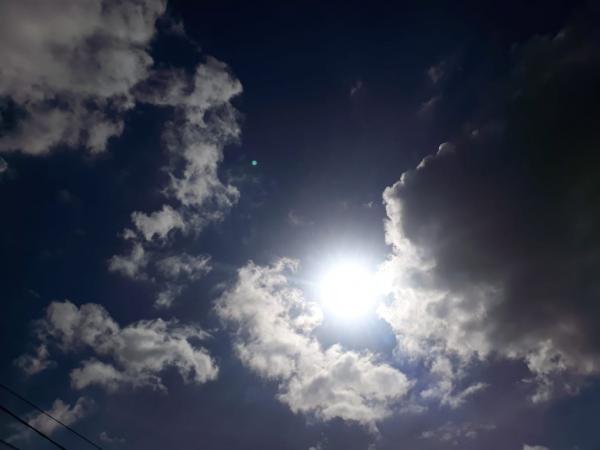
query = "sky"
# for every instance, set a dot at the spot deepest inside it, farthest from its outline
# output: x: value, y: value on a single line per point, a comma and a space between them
x: 301, y: 225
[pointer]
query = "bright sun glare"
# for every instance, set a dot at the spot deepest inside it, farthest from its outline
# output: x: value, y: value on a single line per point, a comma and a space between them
x: 349, y: 290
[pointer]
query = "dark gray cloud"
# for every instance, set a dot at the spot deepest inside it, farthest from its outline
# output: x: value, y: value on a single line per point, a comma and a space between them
x: 496, y: 237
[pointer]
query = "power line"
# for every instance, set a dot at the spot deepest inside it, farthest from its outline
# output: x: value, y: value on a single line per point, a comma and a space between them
x: 8, y: 444
x: 20, y: 397
x: 24, y: 422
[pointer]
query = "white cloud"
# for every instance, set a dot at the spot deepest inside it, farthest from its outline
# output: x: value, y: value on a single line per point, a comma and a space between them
x: 105, y: 437
x: 138, y: 353
x: 430, y: 325
x: 73, y: 327
x: 159, y: 223
x: 32, y: 364
x: 207, y: 122
x: 167, y: 295
x: 453, y: 433
x: 94, y: 372
x: 204, y: 123
x: 70, y: 66
x: 212, y: 86
x: 274, y: 324
x: 437, y: 72
x: 171, y: 273
x: 74, y: 67
x: 131, y: 265
x: 184, y: 266
x: 62, y: 411
x: 534, y: 447
x: 446, y: 393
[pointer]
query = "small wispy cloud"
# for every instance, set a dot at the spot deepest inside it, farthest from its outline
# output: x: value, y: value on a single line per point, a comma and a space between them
x: 356, y: 87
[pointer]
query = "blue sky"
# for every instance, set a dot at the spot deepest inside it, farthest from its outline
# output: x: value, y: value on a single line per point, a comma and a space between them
x: 432, y: 165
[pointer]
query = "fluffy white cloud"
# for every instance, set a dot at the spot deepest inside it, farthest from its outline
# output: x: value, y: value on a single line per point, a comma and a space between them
x: 273, y: 325
x: 69, y: 66
x: 430, y: 325
x: 72, y: 68
x: 209, y: 123
x: 137, y: 353
x: 211, y: 86
x: 205, y: 123
x: 131, y: 265
x: 159, y: 223
x: 94, y: 372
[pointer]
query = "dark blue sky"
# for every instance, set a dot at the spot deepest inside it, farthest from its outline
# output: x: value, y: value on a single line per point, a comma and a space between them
x: 488, y: 336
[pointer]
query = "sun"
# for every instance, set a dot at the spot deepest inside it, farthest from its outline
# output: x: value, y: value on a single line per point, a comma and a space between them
x: 348, y: 290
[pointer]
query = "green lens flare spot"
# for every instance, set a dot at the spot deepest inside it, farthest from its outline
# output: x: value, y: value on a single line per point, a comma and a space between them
x: 254, y: 163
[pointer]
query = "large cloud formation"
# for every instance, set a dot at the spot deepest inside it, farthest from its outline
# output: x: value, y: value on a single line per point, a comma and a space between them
x: 495, y: 238
x: 69, y: 67
x: 273, y: 325
x: 134, y: 355
x: 70, y: 71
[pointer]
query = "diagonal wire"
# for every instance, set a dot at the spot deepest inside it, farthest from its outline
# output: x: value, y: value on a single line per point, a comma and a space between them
x: 20, y: 397
x: 28, y: 425
x: 8, y: 444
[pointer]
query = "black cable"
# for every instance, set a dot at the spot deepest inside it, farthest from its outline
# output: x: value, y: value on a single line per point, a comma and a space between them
x: 20, y: 397
x: 24, y: 422
x: 8, y: 444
